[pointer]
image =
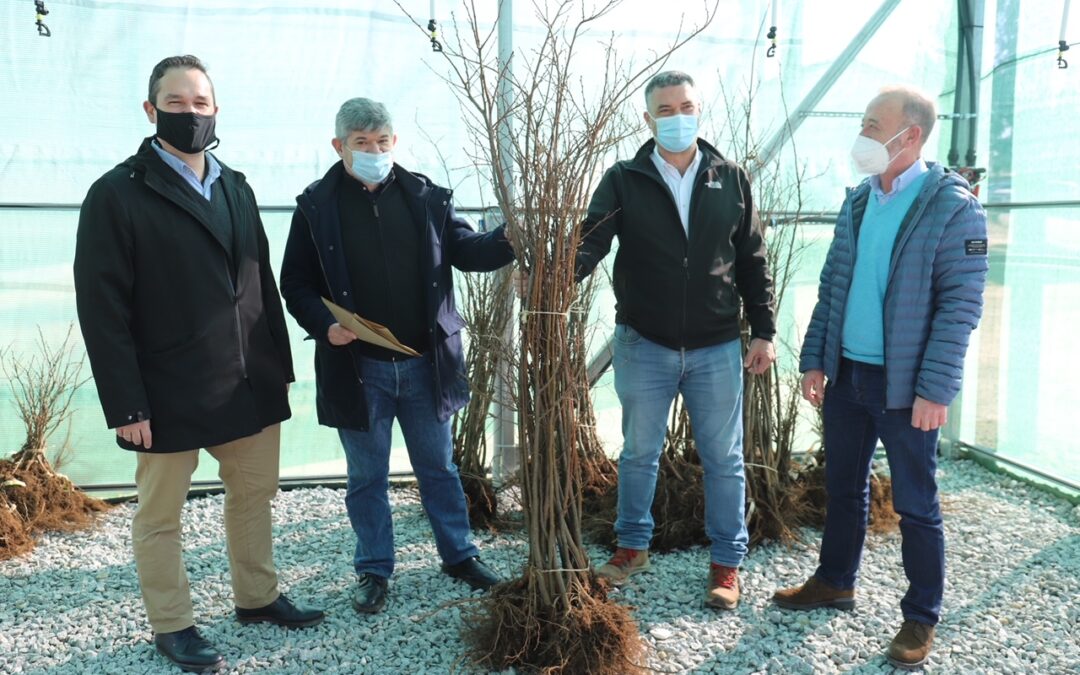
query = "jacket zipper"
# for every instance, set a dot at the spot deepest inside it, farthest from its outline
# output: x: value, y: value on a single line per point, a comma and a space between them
x: 326, y: 280
x: 382, y: 248
x: 228, y: 276
x: 686, y: 242
x: 433, y: 314
x: 853, y: 245
x: 899, y: 246
x: 236, y: 313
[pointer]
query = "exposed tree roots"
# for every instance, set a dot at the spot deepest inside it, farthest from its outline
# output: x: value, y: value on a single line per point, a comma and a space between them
x: 587, y: 634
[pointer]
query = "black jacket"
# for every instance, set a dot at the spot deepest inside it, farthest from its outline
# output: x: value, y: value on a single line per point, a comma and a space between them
x: 315, y: 267
x: 678, y: 292
x: 178, y: 328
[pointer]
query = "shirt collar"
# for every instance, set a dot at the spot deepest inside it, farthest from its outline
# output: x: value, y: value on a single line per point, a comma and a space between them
x: 900, y: 182
x: 213, y: 169
x: 664, y: 165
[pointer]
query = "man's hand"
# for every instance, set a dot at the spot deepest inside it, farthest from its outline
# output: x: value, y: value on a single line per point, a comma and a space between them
x: 759, y: 356
x: 813, y: 387
x: 340, y: 336
x: 927, y: 415
x: 137, y: 434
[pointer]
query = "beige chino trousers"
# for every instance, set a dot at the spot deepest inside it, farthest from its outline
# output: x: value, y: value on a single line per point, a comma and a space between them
x: 249, y: 469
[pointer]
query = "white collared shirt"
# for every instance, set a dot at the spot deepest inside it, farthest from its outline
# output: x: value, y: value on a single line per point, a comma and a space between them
x: 681, y: 185
x: 899, y: 183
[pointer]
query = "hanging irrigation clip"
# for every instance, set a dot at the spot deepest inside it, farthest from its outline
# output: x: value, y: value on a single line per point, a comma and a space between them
x: 432, y: 27
x: 1062, y: 48
x: 42, y: 29
x: 771, y: 51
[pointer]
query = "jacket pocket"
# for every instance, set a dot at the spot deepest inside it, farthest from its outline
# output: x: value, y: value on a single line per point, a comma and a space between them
x: 176, y: 346
x: 450, y: 323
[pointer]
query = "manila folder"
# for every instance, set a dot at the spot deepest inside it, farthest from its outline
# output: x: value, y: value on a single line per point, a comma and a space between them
x: 368, y: 331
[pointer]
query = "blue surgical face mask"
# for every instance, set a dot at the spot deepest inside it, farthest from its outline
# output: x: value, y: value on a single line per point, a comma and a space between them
x: 371, y: 167
x: 676, y: 133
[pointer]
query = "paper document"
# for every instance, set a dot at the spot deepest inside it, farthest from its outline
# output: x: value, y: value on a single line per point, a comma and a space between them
x: 368, y: 331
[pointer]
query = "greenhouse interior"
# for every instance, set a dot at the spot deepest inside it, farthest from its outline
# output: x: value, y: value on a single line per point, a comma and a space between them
x: 560, y: 336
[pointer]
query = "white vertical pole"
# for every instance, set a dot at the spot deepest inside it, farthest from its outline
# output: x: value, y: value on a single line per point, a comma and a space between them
x: 507, y: 457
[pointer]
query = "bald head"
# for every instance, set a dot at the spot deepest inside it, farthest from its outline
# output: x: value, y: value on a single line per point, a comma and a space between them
x: 909, y: 105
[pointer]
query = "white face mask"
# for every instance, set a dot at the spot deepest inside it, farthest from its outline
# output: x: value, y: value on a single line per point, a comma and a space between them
x: 870, y: 156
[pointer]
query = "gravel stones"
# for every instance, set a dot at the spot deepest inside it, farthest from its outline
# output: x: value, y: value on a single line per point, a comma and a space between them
x: 1011, y: 599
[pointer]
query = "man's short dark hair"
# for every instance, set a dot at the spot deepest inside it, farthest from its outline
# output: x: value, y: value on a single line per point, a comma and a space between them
x: 187, y: 62
x: 668, y: 78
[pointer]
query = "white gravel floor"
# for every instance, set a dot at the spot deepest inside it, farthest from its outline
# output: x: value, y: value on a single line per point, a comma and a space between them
x: 1011, y: 604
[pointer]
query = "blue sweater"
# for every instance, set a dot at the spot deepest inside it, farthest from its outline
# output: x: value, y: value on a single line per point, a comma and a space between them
x: 864, y: 327
x: 933, y: 297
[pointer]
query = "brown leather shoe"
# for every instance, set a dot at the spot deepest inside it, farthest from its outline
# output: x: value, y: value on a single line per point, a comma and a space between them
x: 911, y: 646
x: 625, y: 562
x: 723, y: 590
x: 814, y: 594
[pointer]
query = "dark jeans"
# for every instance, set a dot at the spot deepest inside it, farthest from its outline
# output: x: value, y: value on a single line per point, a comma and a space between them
x: 855, y: 418
x: 403, y: 390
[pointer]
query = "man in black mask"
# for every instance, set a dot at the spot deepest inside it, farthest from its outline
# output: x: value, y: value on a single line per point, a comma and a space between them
x: 187, y: 341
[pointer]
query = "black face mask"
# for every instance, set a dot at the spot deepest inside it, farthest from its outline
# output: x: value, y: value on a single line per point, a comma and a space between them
x: 187, y: 132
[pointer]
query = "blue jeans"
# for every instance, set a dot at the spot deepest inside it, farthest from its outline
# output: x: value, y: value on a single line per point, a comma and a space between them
x: 405, y: 390
x: 855, y: 418
x: 647, y: 378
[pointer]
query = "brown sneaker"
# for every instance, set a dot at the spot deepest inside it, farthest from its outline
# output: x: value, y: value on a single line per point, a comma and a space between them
x: 723, y: 590
x: 625, y: 562
x: 814, y: 594
x: 911, y: 646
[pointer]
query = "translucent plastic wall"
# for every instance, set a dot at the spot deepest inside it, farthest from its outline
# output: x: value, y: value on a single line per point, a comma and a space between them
x: 70, y: 109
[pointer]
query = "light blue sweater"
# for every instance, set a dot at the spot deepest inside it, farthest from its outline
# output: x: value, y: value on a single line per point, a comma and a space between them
x: 864, y: 328
x: 933, y: 298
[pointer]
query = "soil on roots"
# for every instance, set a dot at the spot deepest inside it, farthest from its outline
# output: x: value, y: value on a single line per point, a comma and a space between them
x: 481, y: 500
x: 600, y: 477
x: 47, y: 502
x: 14, y: 537
x: 508, y: 629
x: 678, y: 509
x: 882, y: 517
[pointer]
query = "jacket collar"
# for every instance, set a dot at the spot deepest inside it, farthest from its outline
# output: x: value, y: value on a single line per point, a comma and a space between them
x: 416, y: 186
x: 710, y: 157
x: 938, y: 176
x: 145, y: 158
x: 161, y: 178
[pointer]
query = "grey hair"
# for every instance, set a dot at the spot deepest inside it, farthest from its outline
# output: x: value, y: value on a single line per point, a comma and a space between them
x: 361, y: 114
x: 668, y: 78
x: 918, y: 109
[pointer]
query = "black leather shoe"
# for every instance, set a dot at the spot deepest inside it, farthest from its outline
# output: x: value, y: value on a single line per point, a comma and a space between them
x: 283, y: 613
x: 187, y: 649
x: 370, y: 595
x: 473, y: 572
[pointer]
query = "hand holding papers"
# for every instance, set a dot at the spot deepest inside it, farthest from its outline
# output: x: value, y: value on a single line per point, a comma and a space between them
x: 368, y: 331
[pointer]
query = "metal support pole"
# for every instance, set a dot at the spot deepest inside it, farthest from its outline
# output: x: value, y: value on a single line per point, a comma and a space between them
x: 964, y: 136
x: 506, y: 460
x: 827, y: 81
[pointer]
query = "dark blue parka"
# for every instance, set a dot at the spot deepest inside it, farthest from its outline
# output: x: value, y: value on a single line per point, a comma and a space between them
x: 314, y: 267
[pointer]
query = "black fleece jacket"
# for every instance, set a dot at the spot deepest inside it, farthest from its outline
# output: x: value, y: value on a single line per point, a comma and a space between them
x: 681, y: 291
